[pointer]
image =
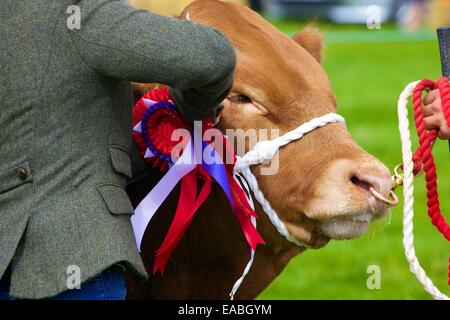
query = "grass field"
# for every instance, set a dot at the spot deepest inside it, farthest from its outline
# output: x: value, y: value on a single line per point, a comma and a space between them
x: 368, y: 69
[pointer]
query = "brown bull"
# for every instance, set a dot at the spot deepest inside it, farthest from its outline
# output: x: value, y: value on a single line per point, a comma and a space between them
x: 321, y: 190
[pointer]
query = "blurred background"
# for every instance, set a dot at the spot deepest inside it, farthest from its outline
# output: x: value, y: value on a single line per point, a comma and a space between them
x: 372, y: 50
x: 408, y: 14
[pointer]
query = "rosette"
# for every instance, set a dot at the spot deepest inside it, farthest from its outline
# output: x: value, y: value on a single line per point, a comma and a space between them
x: 169, y: 143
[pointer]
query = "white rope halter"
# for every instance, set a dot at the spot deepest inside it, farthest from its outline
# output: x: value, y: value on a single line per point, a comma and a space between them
x: 264, y: 151
x: 408, y: 194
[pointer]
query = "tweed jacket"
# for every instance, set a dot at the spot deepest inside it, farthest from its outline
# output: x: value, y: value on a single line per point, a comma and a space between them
x: 65, y: 128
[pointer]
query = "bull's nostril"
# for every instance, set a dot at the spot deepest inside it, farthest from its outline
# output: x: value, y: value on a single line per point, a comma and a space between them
x: 377, y: 186
x: 360, y: 183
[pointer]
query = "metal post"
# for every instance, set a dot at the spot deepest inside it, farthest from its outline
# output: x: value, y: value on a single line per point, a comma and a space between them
x: 443, y: 35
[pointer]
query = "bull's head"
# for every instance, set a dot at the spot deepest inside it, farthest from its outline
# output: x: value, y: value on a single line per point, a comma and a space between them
x: 321, y: 189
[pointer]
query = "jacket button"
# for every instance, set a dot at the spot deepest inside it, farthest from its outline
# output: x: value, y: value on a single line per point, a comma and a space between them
x: 22, y: 173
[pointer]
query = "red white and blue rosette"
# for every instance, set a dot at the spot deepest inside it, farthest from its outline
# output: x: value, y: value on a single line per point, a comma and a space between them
x: 187, y: 158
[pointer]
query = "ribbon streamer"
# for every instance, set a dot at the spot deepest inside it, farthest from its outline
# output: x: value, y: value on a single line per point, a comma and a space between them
x: 150, y: 204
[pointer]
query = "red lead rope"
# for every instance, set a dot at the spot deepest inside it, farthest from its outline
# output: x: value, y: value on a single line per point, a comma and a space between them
x: 423, y: 158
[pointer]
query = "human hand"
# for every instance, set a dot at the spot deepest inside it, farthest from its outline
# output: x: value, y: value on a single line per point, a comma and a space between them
x: 434, y: 117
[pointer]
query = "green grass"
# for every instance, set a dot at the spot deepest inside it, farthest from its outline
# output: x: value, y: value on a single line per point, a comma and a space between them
x: 367, y: 78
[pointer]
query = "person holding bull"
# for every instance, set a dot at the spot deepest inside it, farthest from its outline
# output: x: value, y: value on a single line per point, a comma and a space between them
x: 65, y: 128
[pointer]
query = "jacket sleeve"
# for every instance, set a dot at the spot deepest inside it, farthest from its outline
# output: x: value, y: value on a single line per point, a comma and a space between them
x: 118, y: 41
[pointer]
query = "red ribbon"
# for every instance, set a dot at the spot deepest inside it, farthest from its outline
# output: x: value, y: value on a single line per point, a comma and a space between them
x: 188, y: 204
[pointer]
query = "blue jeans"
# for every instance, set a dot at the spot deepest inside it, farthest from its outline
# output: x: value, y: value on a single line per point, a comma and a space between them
x: 108, y: 285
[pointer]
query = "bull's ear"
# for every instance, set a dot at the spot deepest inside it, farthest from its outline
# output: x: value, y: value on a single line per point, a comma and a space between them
x: 310, y: 39
x: 185, y: 14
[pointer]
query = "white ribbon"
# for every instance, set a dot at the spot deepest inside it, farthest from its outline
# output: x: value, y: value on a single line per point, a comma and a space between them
x: 150, y: 204
x: 248, y: 195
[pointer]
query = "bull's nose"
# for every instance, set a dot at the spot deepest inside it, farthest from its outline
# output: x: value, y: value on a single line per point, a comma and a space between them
x: 344, y: 189
x: 376, y: 177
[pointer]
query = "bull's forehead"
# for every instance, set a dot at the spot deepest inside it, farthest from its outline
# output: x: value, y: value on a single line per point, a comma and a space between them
x: 272, y: 69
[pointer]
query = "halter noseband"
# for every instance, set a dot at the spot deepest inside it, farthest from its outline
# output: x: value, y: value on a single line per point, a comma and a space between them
x: 264, y: 151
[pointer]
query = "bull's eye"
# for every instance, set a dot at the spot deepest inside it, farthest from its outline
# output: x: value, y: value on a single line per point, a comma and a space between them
x: 240, y: 99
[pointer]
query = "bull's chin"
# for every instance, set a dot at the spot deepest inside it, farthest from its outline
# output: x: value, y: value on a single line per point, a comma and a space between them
x: 346, y: 227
